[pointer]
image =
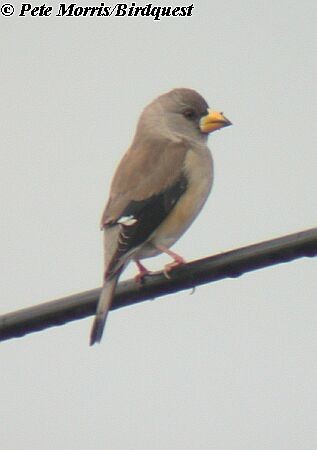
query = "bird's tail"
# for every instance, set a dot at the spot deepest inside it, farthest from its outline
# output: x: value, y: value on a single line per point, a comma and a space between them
x: 103, y: 307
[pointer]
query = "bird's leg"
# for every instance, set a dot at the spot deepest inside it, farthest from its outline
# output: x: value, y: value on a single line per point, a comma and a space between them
x: 143, y: 271
x: 177, y: 259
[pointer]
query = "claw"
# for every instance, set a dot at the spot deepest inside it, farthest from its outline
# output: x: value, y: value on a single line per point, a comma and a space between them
x: 179, y: 261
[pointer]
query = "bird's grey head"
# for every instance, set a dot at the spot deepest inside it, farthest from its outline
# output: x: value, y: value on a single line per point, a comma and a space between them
x: 180, y: 113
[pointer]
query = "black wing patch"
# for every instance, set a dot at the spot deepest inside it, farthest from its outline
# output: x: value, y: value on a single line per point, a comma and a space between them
x: 140, y: 218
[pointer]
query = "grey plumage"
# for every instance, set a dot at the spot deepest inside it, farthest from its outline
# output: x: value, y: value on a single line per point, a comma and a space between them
x: 160, y: 186
x: 104, y: 304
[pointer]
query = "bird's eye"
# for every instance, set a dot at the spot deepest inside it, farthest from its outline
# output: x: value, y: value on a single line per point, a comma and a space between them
x: 189, y: 114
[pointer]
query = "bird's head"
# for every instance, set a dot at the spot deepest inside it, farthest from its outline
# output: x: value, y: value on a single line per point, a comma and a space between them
x: 182, y: 112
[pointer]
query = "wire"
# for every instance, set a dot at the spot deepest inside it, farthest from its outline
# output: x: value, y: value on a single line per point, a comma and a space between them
x: 231, y: 264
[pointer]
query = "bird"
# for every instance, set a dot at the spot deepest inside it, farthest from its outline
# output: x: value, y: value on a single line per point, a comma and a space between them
x: 158, y: 189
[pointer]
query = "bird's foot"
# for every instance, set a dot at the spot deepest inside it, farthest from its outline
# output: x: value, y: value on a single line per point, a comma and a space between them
x: 143, y: 271
x: 177, y: 260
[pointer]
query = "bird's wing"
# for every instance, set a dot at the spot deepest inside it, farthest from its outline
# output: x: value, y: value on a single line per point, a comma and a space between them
x: 147, y: 185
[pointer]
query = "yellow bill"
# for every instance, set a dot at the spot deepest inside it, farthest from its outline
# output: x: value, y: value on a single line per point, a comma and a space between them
x: 213, y: 121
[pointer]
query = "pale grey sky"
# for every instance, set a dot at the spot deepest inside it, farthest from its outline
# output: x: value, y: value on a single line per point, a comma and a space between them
x: 232, y: 367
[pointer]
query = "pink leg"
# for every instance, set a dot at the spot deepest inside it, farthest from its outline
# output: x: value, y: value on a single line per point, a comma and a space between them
x: 143, y: 271
x: 177, y: 259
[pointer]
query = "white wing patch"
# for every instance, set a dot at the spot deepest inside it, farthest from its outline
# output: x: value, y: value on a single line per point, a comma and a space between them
x: 128, y: 221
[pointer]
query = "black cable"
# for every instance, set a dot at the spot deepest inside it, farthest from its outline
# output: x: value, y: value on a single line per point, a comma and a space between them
x: 213, y: 268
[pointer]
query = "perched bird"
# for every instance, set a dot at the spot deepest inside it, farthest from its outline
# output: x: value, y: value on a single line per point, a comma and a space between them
x: 160, y: 186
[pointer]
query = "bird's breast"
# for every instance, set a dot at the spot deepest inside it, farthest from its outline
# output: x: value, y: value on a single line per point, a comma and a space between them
x: 198, y: 169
